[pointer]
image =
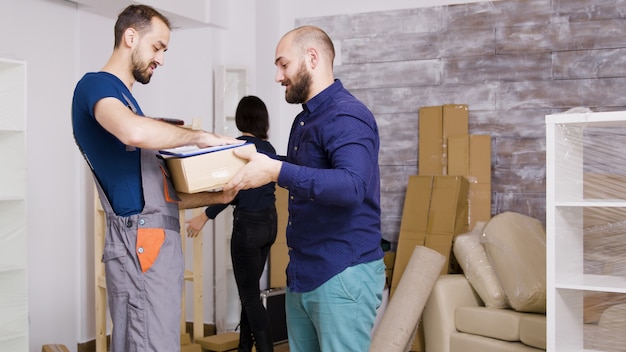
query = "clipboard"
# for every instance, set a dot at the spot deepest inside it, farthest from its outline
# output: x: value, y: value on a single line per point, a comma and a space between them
x: 191, y: 150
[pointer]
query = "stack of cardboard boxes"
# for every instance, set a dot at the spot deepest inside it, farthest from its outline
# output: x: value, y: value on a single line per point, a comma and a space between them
x: 447, y: 149
x: 451, y: 192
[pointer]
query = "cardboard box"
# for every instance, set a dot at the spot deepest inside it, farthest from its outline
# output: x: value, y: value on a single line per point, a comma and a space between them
x: 406, y: 245
x: 225, y: 341
x: 389, y: 260
x: 479, y: 200
x: 455, y: 120
x: 430, y: 141
x: 443, y: 245
x: 278, y: 260
x: 419, y: 342
x: 437, y: 125
x: 455, y: 124
x: 458, y: 156
x: 205, y: 172
x: 435, y: 210
x: 416, y: 204
x: 54, y: 348
x: 279, y: 252
x: 448, y: 213
x: 192, y: 347
x: 480, y: 158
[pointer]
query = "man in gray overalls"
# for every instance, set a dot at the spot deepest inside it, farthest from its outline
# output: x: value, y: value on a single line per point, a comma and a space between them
x: 143, y: 258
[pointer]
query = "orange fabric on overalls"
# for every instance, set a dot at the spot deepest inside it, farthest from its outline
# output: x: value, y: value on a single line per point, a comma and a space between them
x: 149, y: 243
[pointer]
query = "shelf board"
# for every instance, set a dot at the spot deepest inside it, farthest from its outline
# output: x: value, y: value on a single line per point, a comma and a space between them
x: 8, y: 336
x: 599, y: 203
x: 608, y: 118
x: 11, y: 198
x: 11, y: 268
x: 598, y: 283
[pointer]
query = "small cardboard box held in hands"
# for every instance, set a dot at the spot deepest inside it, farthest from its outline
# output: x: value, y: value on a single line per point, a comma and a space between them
x: 199, y: 170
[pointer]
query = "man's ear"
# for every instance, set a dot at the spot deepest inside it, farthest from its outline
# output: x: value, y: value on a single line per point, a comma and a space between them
x: 130, y: 37
x: 312, y: 57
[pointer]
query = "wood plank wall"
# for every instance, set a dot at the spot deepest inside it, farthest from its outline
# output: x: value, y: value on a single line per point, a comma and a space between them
x: 511, y: 61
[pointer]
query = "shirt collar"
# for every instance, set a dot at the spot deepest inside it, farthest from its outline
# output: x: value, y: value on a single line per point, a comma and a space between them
x: 317, y: 101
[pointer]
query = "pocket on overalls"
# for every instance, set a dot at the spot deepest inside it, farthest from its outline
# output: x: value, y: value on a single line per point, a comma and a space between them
x: 114, y: 259
x: 149, y: 243
x: 168, y: 188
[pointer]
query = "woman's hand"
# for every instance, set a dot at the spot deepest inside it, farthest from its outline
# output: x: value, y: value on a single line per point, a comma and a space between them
x: 195, y: 224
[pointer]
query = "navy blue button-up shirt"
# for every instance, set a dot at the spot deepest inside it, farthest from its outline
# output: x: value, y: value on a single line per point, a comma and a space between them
x: 332, y: 174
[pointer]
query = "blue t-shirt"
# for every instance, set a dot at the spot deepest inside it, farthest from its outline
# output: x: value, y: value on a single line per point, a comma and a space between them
x: 116, y: 166
x: 331, y: 172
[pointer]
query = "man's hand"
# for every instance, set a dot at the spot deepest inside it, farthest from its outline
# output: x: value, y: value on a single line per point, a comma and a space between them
x: 212, y: 139
x: 260, y: 170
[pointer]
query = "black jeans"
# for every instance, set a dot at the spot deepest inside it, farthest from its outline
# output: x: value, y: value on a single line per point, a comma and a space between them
x: 253, y: 235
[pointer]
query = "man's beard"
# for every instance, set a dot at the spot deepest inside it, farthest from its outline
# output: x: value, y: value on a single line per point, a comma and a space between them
x: 142, y: 75
x: 298, y: 91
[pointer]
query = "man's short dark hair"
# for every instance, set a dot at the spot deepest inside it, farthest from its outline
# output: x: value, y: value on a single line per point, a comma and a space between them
x: 138, y: 17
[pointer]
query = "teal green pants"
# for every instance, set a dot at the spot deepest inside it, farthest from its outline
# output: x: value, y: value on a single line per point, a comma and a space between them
x: 340, y: 314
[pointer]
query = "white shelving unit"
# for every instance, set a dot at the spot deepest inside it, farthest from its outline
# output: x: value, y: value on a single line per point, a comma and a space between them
x: 586, y: 229
x: 231, y: 84
x: 13, y: 235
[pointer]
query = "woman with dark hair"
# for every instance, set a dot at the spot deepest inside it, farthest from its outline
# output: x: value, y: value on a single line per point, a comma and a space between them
x: 254, y: 231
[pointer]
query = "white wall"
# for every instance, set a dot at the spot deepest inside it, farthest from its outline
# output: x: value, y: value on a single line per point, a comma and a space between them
x: 60, y: 43
x: 55, y: 255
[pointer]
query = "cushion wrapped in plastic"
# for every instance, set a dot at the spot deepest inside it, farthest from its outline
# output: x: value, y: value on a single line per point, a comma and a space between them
x: 516, y: 247
x: 472, y: 257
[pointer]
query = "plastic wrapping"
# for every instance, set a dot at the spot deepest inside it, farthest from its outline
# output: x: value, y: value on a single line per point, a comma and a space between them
x: 586, y: 209
x: 471, y: 256
x: 516, y: 247
x: 604, y: 312
x: 608, y: 333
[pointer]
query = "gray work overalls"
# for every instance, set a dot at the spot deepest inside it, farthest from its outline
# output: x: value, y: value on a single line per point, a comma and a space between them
x: 144, y: 266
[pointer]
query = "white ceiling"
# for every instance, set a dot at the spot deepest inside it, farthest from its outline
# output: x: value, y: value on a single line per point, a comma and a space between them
x: 182, y: 14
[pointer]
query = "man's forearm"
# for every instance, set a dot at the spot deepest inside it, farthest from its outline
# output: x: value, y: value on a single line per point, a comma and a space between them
x: 202, y: 199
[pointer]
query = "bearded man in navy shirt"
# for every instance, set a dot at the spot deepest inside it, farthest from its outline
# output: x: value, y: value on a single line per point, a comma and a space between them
x: 335, y: 275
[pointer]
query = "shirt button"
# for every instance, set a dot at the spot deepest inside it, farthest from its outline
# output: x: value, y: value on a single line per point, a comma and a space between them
x: 142, y: 221
x: 129, y: 223
x: 140, y: 250
x: 291, y: 197
x: 301, y: 123
x: 295, y: 148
